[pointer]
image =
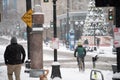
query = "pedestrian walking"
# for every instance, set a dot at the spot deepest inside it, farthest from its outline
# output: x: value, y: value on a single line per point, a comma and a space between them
x: 80, y: 53
x: 98, y: 42
x: 14, y: 57
x: 86, y: 44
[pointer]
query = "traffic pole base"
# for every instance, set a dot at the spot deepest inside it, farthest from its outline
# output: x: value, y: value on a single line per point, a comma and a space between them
x: 27, y: 71
x: 27, y: 66
x: 56, y: 78
x: 56, y: 74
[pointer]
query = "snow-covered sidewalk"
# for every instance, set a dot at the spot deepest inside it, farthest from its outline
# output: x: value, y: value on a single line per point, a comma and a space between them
x: 66, y: 73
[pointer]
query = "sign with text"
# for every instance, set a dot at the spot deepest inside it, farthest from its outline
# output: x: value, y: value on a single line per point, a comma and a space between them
x: 27, y: 18
x: 55, y: 43
x: 117, y: 37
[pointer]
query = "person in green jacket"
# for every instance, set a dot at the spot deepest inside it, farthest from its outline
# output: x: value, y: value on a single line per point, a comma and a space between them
x: 80, y: 52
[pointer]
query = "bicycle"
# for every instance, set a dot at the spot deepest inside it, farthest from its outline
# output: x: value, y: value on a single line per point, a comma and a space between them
x: 80, y: 64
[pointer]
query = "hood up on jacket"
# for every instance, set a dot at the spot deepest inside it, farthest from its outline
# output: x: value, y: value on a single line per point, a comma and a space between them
x: 13, y: 40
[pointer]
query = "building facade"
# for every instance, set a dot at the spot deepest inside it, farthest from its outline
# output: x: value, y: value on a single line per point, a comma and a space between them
x: 1, y: 9
x: 71, y: 15
x: 15, y: 9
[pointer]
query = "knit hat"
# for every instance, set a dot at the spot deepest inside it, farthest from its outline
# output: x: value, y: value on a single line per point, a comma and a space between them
x: 79, y: 44
x: 13, y: 40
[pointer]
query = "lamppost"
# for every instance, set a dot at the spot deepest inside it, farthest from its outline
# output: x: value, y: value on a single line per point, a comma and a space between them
x: 94, y: 25
x: 55, y: 65
x: 67, y: 23
x: 76, y: 28
x: 28, y: 29
x: 79, y: 26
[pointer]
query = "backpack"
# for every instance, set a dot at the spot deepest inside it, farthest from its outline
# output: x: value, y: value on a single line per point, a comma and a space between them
x: 80, y: 51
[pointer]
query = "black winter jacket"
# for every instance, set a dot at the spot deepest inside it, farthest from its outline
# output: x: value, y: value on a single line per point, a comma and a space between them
x: 14, y: 54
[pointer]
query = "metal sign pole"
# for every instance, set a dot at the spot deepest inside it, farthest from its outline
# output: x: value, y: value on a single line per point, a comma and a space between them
x: 55, y: 65
x: 28, y: 7
x: 28, y: 29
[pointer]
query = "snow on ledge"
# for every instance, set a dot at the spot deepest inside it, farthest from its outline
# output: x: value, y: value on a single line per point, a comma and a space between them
x: 116, y: 75
x: 55, y: 63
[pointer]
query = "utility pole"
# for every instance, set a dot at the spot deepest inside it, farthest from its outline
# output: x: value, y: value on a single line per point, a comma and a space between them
x: 67, y: 24
x: 94, y: 25
x: 55, y: 65
x: 55, y: 28
x: 117, y: 22
x: 28, y: 7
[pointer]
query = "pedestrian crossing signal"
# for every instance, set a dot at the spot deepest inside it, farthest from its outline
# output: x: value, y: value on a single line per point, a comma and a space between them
x: 46, y: 0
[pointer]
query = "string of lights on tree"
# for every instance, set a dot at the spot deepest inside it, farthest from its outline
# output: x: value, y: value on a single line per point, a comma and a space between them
x: 95, y: 20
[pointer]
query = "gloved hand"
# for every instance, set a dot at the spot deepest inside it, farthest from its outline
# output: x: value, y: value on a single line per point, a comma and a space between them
x: 6, y: 62
x: 22, y: 61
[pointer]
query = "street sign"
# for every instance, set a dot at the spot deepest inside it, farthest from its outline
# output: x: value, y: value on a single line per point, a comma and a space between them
x: 117, y: 37
x: 27, y: 18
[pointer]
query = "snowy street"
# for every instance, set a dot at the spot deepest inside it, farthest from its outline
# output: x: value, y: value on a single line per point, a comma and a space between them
x: 73, y: 39
x: 66, y: 73
x: 68, y: 69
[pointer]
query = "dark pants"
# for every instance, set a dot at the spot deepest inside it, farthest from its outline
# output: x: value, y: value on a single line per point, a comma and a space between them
x: 82, y: 59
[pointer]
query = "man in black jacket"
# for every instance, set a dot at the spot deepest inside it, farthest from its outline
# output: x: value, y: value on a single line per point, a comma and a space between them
x: 14, y: 56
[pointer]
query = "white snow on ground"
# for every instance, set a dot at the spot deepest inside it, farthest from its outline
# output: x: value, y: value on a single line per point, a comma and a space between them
x: 66, y: 73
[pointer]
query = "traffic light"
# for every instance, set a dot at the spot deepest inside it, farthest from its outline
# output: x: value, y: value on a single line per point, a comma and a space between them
x: 110, y: 14
x: 51, y: 24
x: 18, y: 26
x: 46, y: 0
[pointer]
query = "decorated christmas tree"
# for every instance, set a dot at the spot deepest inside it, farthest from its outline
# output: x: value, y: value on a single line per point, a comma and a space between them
x: 95, y: 21
x: 96, y: 25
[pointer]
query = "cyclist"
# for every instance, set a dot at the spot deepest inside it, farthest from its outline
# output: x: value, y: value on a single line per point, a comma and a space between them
x: 81, y: 53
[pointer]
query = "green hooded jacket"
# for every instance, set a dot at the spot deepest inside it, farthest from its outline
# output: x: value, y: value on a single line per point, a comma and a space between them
x: 81, y: 52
